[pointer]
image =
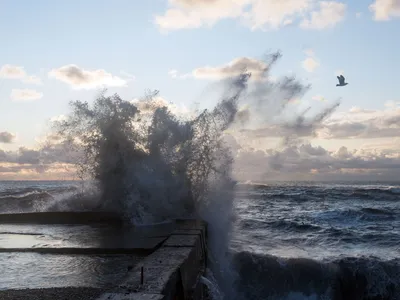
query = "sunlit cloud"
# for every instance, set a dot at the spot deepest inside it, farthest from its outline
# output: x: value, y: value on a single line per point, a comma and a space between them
x: 79, y: 78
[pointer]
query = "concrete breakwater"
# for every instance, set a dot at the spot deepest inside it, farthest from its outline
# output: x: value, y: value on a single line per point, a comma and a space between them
x: 167, y: 263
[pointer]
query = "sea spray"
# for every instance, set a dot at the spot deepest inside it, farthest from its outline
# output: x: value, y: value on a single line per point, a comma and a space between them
x: 152, y: 165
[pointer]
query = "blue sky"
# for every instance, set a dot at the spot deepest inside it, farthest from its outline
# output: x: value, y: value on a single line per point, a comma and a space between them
x: 123, y: 37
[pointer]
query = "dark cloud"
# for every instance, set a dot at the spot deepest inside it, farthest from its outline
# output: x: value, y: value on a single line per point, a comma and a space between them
x: 52, y: 154
x: 6, y: 137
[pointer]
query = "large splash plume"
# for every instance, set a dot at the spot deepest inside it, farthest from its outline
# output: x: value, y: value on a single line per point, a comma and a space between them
x: 152, y: 165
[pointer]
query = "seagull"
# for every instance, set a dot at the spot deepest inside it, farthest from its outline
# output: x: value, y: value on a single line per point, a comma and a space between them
x: 341, y: 81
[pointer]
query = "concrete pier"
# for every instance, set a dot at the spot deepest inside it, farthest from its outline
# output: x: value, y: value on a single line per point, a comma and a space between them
x: 167, y: 259
x: 172, y: 271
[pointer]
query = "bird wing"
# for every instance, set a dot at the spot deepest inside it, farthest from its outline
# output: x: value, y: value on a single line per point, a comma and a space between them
x: 338, y: 77
x: 341, y: 79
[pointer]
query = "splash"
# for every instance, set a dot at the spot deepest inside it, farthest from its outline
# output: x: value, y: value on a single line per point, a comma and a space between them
x: 152, y: 165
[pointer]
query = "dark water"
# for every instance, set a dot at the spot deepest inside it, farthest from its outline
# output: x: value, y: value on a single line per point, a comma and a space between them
x: 291, y: 240
x: 28, y: 196
x: 318, y: 241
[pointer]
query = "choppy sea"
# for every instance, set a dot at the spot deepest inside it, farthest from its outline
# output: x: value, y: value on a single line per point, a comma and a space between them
x: 291, y: 240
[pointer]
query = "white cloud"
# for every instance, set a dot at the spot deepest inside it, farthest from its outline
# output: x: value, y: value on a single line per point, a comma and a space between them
x: 176, y: 75
x: 18, y: 72
x: 310, y: 64
x: 32, y: 80
x: 173, y: 73
x: 6, y: 137
x: 79, y: 78
x: 384, y: 10
x: 195, y: 14
x: 329, y: 14
x: 233, y: 68
x: 392, y: 104
x: 273, y: 14
x: 255, y: 14
x: 128, y: 75
x: 12, y: 72
x: 25, y: 95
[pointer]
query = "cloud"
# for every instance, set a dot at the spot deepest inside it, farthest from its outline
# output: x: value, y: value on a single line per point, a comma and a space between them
x: 195, y: 14
x: 176, y: 75
x: 6, y: 137
x: 355, y: 123
x: 173, y: 73
x: 234, y: 68
x: 12, y: 72
x: 53, y: 158
x: 79, y: 78
x: 385, y: 10
x: 18, y: 72
x: 310, y: 64
x: 32, y: 80
x: 25, y: 95
x: 310, y: 162
x: 128, y: 75
x: 266, y: 14
x: 255, y: 14
x: 330, y: 13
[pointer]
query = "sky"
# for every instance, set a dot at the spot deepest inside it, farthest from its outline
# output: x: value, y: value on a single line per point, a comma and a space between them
x: 57, y: 51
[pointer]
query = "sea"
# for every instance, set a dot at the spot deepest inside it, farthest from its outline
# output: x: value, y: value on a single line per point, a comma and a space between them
x: 290, y: 240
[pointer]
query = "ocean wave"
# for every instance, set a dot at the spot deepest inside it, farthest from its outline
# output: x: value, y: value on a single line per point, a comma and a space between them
x: 271, y: 277
x: 279, y: 224
x: 322, y: 192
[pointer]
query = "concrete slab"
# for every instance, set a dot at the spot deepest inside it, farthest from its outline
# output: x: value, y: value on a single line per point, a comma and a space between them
x: 166, y: 256
x: 191, y: 224
x: 84, y: 217
x: 181, y: 241
x: 187, y: 231
x: 109, y: 246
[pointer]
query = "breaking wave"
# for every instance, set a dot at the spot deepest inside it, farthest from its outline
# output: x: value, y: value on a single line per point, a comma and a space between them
x: 271, y: 277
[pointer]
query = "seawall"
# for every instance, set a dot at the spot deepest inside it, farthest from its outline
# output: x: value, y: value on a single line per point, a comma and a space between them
x: 167, y: 263
x: 172, y: 271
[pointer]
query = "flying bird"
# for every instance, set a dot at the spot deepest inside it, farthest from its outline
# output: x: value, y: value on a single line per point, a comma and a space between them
x: 341, y: 81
